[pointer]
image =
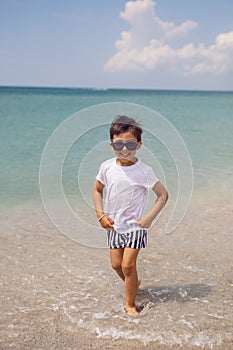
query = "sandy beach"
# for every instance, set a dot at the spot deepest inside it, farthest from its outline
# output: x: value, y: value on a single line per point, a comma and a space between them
x: 186, y: 294
x: 67, y: 71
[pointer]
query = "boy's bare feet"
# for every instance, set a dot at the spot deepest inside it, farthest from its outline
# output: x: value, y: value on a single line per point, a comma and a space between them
x: 131, y: 311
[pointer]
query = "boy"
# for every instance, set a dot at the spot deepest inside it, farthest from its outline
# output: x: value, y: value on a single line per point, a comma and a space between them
x: 127, y: 180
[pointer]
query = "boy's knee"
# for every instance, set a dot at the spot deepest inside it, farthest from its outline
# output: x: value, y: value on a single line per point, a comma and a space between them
x: 128, y: 267
x: 116, y: 265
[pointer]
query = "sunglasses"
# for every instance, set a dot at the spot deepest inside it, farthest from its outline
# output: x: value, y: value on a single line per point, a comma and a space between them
x: 119, y: 145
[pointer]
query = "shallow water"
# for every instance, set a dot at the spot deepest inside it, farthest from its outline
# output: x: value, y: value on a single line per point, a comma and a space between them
x: 185, y: 297
x: 56, y: 293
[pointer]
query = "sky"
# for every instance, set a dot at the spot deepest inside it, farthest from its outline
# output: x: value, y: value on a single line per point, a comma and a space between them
x: 140, y: 44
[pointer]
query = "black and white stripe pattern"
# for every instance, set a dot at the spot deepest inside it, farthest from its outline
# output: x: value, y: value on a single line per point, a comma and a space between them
x: 135, y: 239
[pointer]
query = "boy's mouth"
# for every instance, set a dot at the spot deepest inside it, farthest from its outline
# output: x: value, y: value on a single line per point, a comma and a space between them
x: 125, y: 155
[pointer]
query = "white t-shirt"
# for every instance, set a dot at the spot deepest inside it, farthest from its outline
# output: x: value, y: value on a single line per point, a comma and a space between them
x: 126, y: 191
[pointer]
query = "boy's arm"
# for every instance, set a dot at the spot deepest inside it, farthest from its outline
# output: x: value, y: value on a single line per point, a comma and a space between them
x: 162, y: 197
x: 105, y: 221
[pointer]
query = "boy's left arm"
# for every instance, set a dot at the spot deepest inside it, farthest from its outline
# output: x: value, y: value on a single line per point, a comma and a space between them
x: 162, y: 197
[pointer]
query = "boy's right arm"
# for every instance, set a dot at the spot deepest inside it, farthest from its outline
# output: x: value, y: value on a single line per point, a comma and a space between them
x: 105, y: 221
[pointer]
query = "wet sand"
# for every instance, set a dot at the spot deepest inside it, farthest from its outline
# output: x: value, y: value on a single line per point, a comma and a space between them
x: 191, y: 273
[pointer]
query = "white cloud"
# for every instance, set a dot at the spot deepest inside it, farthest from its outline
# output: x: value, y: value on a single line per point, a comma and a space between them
x: 152, y: 43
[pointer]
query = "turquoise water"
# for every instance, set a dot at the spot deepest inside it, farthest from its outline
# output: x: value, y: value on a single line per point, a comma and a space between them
x: 187, y: 276
x: 28, y: 116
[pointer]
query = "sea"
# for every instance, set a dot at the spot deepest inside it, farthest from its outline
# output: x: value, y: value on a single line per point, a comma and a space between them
x: 28, y: 117
x: 53, y: 141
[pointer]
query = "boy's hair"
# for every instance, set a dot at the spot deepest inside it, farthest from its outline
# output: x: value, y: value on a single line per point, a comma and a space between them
x: 122, y: 123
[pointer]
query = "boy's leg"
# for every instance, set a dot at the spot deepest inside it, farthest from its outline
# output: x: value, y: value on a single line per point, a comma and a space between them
x: 129, y: 269
x: 116, y: 256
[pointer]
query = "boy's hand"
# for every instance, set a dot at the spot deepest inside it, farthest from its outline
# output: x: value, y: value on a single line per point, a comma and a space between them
x: 144, y: 222
x: 106, y: 222
x: 162, y: 196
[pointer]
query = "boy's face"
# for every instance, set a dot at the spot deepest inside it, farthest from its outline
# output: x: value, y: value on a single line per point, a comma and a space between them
x: 125, y: 152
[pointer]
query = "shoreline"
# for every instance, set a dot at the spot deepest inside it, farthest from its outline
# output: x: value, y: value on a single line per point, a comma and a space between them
x: 45, y: 273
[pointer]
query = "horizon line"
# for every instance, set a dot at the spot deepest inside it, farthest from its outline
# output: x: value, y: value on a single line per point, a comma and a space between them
x: 110, y: 88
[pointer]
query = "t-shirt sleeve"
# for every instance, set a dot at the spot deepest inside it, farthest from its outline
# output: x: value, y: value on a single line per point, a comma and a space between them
x: 151, y: 178
x: 101, y: 175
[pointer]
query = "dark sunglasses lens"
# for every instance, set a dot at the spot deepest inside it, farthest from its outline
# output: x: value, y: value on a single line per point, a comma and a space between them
x: 131, y: 145
x: 118, y: 145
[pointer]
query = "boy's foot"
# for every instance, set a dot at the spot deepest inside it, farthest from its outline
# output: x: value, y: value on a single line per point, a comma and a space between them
x: 131, y: 311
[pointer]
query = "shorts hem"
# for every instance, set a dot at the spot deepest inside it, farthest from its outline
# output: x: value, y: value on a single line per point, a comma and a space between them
x: 134, y: 239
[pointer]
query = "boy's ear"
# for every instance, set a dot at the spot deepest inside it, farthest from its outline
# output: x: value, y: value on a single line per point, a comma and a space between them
x: 139, y: 144
x: 110, y: 144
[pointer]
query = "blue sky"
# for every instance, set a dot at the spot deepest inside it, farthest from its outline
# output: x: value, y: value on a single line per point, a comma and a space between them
x: 163, y: 44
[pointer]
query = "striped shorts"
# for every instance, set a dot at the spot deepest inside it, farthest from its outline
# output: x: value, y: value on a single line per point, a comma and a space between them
x: 135, y: 239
